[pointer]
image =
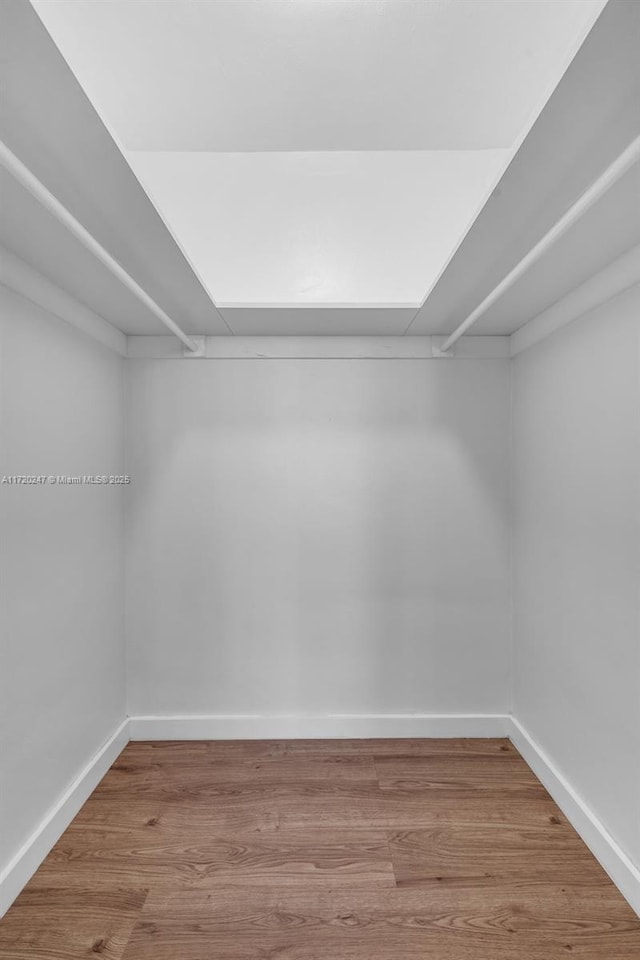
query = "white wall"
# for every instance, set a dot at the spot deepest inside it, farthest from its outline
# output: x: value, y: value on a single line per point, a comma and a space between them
x: 576, y: 487
x: 62, y: 636
x: 318, y: 537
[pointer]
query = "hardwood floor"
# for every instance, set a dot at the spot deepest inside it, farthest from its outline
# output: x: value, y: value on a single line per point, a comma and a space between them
x: 320, y: 850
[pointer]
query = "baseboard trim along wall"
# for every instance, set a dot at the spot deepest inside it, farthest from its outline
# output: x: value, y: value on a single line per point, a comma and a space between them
x: 359, y: 726
x: 605, y: 849
x: 622, y: 871
x: 26, y: 861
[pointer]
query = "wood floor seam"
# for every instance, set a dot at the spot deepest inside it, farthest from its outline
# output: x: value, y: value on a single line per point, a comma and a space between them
x: 320, y: 850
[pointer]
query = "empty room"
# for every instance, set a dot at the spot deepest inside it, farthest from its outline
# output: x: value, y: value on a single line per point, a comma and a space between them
x: 320, y: 479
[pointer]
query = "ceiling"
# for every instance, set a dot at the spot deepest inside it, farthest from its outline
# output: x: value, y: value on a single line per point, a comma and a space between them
x: 314, y: 167
x: 313, y: 75
x: 319, y: 228
x: 50, y: 124
x: 590, y: 119
x: 325, y: 153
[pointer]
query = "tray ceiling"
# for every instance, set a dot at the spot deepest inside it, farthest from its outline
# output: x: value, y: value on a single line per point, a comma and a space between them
x: 310, y: 75
x: 318, y: 152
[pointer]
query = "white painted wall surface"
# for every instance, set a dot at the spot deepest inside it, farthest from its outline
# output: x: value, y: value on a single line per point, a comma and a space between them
x: 576, y: 488
x: 62, y: 636
x: 318, y: 537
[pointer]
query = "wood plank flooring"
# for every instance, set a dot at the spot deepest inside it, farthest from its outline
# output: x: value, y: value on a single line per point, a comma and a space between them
x: 320, y: 850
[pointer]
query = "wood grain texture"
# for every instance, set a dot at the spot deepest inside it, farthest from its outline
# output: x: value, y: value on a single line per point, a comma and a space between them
x: 240, y: 923
x: 46, y: 924
x: 494, y: 853
x: 320, y: 850
x: 187, y: 857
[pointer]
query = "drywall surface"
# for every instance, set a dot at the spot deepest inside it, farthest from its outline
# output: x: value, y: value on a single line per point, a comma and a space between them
x: 317, y: 537
x: 301, y: 228
x: 576, y: 490
x: 62, y: 636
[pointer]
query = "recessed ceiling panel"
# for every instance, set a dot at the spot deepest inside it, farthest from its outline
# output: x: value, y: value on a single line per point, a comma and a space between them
x: 256, y: 75
x: 332, y: 228
x: 318, y: 152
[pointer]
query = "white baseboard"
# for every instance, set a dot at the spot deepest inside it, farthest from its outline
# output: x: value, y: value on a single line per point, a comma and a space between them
x: 605, y: 849
x: 24, y: 864
x: 622, y: 871
x: 219, y: 727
